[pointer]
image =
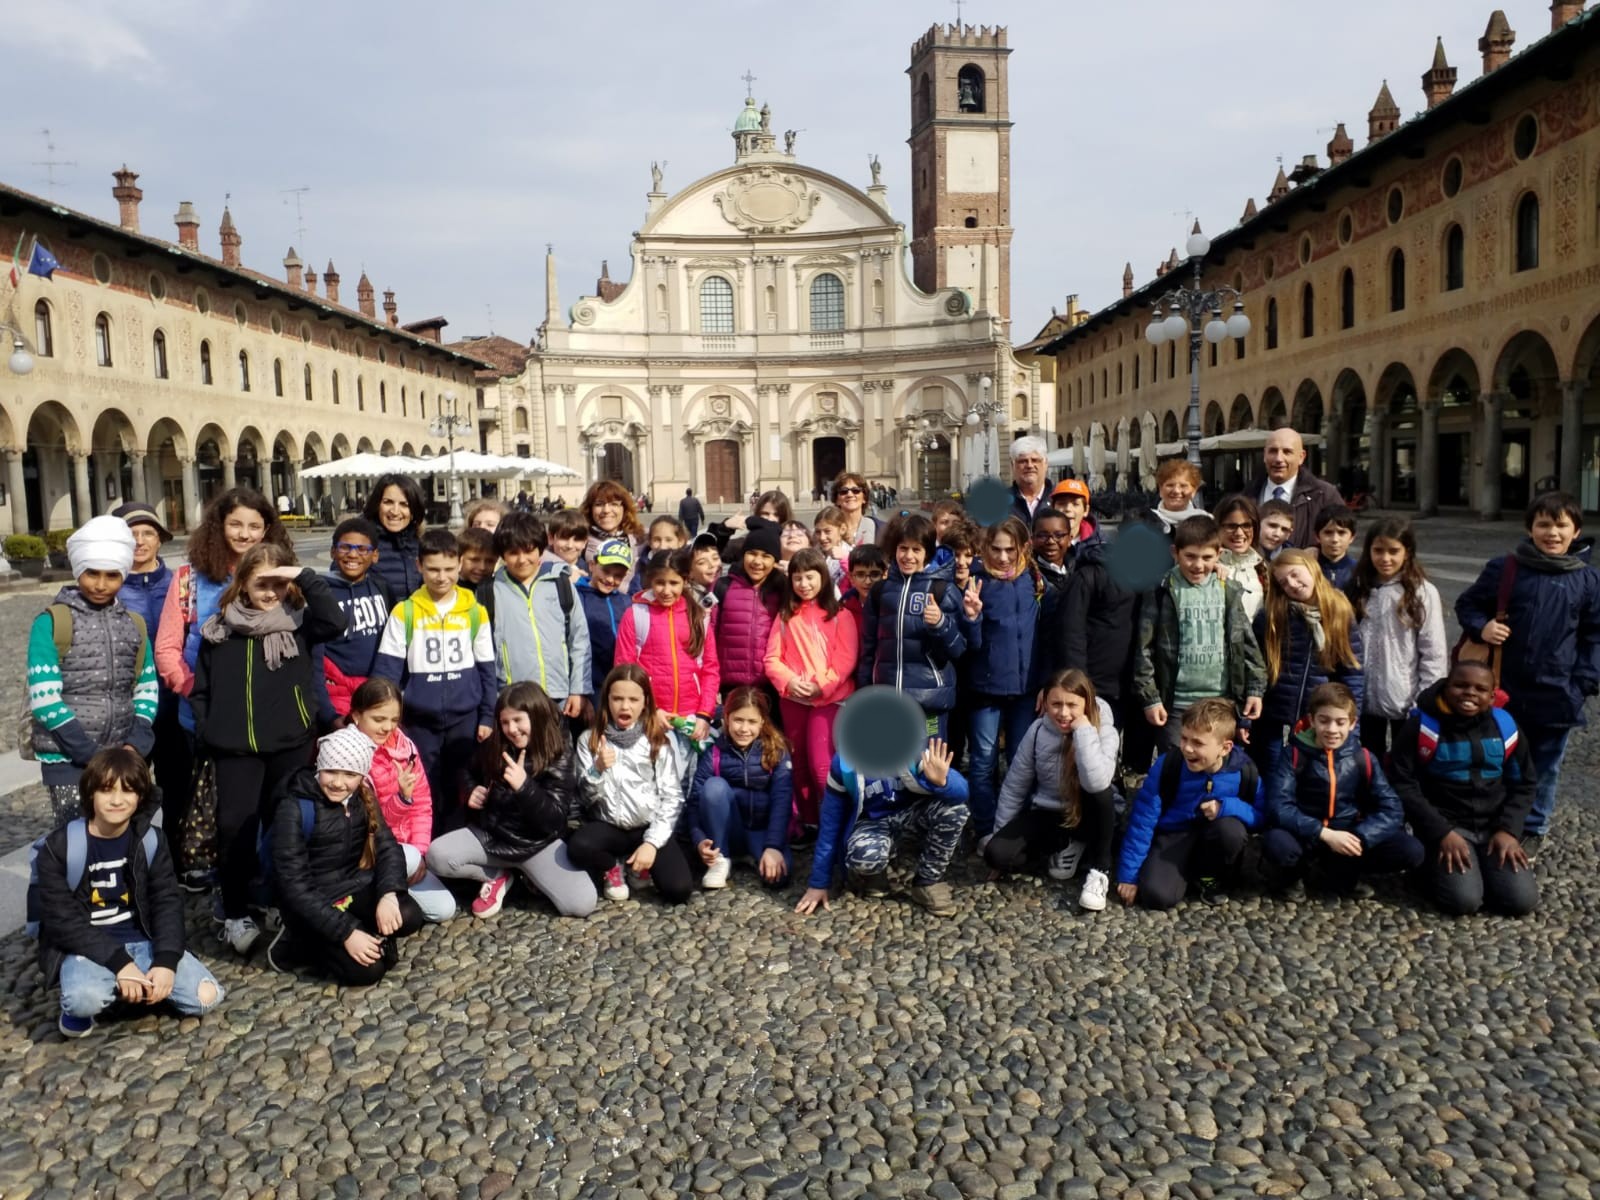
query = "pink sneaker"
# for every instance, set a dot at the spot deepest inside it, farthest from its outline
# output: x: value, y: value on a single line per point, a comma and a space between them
x: 491, y: 896
x: 616, y: 884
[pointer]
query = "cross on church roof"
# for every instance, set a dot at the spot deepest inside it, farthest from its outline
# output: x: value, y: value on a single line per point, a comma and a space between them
x: 749, y: 81
x: 958, y: 4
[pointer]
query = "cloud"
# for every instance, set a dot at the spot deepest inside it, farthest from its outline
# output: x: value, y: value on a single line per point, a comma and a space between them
x: 107, y: 37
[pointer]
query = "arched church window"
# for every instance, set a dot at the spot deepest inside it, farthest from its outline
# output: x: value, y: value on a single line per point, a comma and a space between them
x: 969, y: 89
x: 827, y: 303
x: 924, y: 98
x: 716, y: 305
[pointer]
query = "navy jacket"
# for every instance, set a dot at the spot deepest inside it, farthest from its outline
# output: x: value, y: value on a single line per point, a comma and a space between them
x: 1000, y: 642
x: 396, y: 564
x: 1092, y: 625
x: 145, y: 592
x: 1339, y: 573
x: 899, y: 648
x: 1151, y: 814
x: 1019, y: 507
x: 1300, y: 672
x: 761, y: 798
x: 1551, y: 662
x: 1313, y: 789
x: 604, y: 614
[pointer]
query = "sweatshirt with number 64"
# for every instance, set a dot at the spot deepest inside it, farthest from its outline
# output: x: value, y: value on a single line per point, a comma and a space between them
x: 445, y: 668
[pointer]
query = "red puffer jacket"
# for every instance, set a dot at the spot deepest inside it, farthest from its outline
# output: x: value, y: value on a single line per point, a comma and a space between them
x: 411, y: 821
x: 743, y: 619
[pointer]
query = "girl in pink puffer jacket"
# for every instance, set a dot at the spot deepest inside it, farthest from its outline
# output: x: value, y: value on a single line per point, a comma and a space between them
x: 673, y: 641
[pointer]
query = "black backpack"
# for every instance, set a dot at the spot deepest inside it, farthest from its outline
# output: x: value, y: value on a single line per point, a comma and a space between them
x: 1172, y: 774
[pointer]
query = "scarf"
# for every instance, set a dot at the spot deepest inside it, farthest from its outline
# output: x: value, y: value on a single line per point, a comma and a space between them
x: 276, y: 627
x: 1530, y: 556
x: 1313, y: 619
x: 624, y: 738
x: 1169, y: 520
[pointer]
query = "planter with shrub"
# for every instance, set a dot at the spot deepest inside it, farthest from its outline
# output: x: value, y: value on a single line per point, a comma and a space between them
x: 26, y: 553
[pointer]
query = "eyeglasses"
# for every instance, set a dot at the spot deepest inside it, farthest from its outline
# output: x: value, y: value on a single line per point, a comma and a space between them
x: 847, y: 491
x: 1040, y: 535
x: 1238, y: 527
x: 351, y: 548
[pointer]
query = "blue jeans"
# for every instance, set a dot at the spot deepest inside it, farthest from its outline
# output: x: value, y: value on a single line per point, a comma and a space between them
x: 724, y: 825
x: 988, y: 716
x: 88, y: 989
x: 1547, y: 747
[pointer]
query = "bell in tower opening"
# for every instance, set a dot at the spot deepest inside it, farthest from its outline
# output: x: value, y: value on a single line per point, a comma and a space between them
x: 969, y: 85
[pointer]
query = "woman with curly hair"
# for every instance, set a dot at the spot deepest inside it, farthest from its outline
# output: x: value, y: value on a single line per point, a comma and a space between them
x: 611, y: 513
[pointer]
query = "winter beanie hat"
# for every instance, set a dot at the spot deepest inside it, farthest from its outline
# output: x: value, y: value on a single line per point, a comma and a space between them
x: 104, y: 543
x: 765, y: 536
x: 347, y: 750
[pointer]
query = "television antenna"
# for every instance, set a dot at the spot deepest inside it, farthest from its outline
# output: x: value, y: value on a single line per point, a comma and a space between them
x: 299, y: 212
x: 51, y: 162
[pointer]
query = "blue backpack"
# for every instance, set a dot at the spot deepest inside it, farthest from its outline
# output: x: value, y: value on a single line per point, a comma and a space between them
x: 77, y: 863
x: 269, y: 874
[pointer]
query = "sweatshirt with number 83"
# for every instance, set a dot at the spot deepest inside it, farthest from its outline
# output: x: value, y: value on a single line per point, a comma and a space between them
x: 445, y: 667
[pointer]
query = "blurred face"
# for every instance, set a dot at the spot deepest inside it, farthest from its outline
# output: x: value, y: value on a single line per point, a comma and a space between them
x: 758, y: 565
x: 1238, y: 532
x: 338, y: 786
x: 607, y: 514
x: 807, y: 585
x: 793, y: 539
x: 488, y: 519
x: 394, y: 510
x: 625, y: 703
x: 1197, y: 563
x: 522, y: 563
x: 1275, y: 530
x: 910, y: 557
x: 440, y: 574
x: 1552, y: 535
x: 263, y: 592
x: 1002, y: 554
x: 707, y: 566
x: 115, y: 805
x: 1388, y: 557
x: 1469, y: 690
x: 1176, y: 493
x: 477, y: 565
x: 1334, y: 542
x: 1028, y: 471
x: 1283, y: 454
x: 146, y: 547
x: 1296, y: 582
x: 241, y: 529
x: 516, y: 727
x: 668, y: 585
x: 353, y: 554
x: 863, y: 578
x: 850, y: 496
x: 568, y: 547
x: 828, y: 538
x: 379, y: 721
x: 941, y: 525
x: 1064, y: 707
x: 100, y: 587
x: 1204, y: 752
x: 744, y: 726
x: 1332, y: 727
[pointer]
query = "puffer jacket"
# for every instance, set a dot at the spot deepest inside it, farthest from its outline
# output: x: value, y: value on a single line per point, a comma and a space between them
x: 1156, y: 667
x: 604, y: 612
x: 812, y: 646
x: 762, y: 798
x: 1301, y: 672
x: 684, y: 686
x: 1248, y: 570
x: 1312, y: 789
x: 1151, y: 813
x: 999, y: 655
x: 397, y: 563
x: 634, y: 793
x: 314, y: 873
x: 899, y: 649
x: 1470, y: 775
x: 514, y: 824
x: 411, y: 821
x: 1551, y: 662
x: 145, y: 593
x: 743, y: 618
x: 1033, y: 779
x: 1398, y: 661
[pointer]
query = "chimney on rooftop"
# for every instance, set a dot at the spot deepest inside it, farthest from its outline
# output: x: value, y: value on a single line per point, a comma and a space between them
x: 292, y: 267
x: 1127, y: 280
x: 1340, y: 147
x: 127, y: 195
x: 364, y: 298
x: 390, y: 308
x: 1563, y: 11
x: 311, y: 280
x: 228, y: 235
x: 1439, y: 80
x: 1497, y: 41
x: 330, y: 283
x: 188, y: 222
x: 1383, y: 118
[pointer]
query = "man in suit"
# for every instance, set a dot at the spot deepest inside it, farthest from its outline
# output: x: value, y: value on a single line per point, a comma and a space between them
x: 1290, y: 480
x: 691, y: 512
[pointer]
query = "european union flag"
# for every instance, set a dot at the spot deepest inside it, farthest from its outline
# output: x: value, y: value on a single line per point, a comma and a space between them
x: 42, y: 262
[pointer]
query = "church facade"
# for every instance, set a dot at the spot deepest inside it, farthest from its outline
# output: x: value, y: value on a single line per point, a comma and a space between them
x: 771, y: 334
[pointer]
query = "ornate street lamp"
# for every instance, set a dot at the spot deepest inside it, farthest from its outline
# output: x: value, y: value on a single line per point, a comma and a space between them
x: 448, y: 426
x: 21, y: 361
x: 1186, y: 312
x: 983, y: 413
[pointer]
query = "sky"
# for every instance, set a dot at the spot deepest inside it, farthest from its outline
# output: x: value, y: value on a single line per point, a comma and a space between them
x: 442, y: 146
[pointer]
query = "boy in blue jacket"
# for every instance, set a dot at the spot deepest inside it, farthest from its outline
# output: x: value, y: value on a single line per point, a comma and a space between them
x: 1193, y: 816
x: 866, y: 817
x: 1331, y: 802
x: 344, y: 664
x: 605, y: 603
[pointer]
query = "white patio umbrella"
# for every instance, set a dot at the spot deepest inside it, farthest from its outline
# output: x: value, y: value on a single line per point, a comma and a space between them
x: 1147, y: 442
x: 1097, y: 457
x: 365, y: 465
x: 1123, y: 456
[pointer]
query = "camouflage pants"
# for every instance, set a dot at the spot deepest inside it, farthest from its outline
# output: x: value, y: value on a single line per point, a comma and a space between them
x: 937, y: 823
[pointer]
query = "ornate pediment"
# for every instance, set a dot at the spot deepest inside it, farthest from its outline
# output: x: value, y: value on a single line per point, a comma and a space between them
x: 767, y: 200
x: 712, y: 428
x: 828, y: 425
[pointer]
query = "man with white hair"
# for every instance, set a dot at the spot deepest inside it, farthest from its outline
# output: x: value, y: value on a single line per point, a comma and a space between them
x: 1029, y: 486
x: 1290, y: 480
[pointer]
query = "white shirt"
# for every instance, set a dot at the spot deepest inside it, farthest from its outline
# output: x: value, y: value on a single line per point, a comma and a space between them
x: 1270, y: 490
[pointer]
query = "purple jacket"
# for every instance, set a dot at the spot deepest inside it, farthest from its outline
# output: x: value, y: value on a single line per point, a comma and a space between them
x: 743, y: 619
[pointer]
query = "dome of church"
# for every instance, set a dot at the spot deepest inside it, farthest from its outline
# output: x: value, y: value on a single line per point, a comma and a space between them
x: 750, y: 118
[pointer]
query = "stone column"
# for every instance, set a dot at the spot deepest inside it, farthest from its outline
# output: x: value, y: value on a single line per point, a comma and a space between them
x: 140, y: 490
x: 82, y: 490
x: 230, y: 478
x: 1571, y: 465
x: 1492, y: 454
x: 1428, y: 460
x: 1379, y: 449
x: 16, y: 491
x: 1333, y: 445
x: 191, y: 492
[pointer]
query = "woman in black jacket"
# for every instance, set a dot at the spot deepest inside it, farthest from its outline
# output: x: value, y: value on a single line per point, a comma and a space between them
x: 517, y: 813
x: 338, y: 873
x: 396, y: 506
x: 255, y: 706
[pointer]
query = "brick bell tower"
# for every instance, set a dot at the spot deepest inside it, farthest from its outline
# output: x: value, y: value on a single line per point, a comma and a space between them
x: 961, y: 164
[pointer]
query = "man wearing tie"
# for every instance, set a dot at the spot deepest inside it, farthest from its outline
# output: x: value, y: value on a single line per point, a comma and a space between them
x: 1290, y: 480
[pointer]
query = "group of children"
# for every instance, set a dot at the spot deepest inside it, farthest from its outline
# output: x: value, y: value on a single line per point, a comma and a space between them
x: 592, y: 707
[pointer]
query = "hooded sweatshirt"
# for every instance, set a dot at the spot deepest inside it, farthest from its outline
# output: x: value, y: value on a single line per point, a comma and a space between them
x: 811, y: 645
x: 446, y: 666
x: 344, y: 664
x: 1397, y: 660
x: 534, y: 639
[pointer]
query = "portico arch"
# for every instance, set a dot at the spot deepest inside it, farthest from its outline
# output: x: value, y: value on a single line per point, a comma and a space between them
x: 55, y: 470
x: 1307, y: 417
x: 114, y: 467
x: 251, y: 453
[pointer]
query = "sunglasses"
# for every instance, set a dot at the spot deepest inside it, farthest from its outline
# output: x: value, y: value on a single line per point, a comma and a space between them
x: 1238, y: 526
x: 847, y: 491
x: 351, y: 548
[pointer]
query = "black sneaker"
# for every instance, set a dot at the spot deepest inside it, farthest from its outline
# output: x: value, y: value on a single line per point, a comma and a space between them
x: 1532, y: 843
x: 1211, y: 890
x: 874, y: 886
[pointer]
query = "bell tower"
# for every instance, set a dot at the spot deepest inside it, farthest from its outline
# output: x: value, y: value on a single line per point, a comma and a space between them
x: 961, y: 164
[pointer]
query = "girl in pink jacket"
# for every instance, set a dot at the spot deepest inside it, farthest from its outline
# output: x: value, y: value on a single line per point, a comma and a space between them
x: 402, y: 789
x: 674, y: 643
x: 811, y: 661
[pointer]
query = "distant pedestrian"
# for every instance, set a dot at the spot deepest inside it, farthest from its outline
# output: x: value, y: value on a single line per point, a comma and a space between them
x: 691, y: 512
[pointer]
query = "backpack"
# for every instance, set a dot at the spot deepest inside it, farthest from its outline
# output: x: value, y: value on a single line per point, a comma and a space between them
x: 269, y: 874
x: 485, y: 597
x: 77, y: 862
x: 641, y: 630
x: 1428, y: 736
x: 1172, y: 774
x: 61, y: 630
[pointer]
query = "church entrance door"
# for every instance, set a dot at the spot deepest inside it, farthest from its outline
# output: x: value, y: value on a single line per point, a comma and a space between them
x: 617, y: 464
x: 827, y: 460
x: 723, y: 485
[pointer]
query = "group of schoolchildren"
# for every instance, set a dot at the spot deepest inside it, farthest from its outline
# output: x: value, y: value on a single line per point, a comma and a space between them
x: 591, y: 707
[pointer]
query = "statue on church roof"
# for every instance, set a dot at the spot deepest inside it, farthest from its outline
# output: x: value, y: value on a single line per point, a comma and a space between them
x: 655, y: 176
x: 877, y: 170
x: 788, y: 140
x: 766, y: 118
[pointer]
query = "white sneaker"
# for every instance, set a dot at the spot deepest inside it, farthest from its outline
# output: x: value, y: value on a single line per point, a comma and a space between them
x: 242, y: 933
x: 717, y: 873
x: 1064, y: 862
x: 1095, y: 886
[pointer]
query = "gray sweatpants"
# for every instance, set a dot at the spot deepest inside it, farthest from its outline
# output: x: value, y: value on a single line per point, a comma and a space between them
x: 460, y: 855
